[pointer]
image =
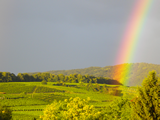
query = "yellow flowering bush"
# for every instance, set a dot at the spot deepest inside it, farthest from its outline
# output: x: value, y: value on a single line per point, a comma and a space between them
x: 72, y: 109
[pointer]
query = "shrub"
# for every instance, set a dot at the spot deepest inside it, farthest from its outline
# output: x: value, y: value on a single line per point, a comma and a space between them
x: 44, y: 82
x: 72, y: 109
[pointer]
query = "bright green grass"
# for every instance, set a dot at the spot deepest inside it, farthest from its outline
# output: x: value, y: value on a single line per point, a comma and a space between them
x: 26, y: 115
x: 42, y: 89
x: 28, y: 107
x: 71, y: 89
x: 10, y: 95
x: 93, y: 96
x: 15, y: 88
x: 22, y: 102
x: 50, y: 97
x: 38, y: 96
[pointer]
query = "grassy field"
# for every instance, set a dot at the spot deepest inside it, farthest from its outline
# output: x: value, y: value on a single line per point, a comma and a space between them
x: 29, y: 99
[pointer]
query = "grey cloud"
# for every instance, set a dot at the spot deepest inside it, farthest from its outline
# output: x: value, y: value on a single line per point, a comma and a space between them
x: 69, y: 34
x: 79, y: 12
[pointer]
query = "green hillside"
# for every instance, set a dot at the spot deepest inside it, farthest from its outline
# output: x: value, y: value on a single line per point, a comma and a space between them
x: 138, y: 72
x: 27, y: 100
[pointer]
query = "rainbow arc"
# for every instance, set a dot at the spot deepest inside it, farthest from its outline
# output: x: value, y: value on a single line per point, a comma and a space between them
x: 130, y: 40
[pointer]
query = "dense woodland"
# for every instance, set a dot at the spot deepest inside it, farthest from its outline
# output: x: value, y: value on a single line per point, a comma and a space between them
x: 137, y: 73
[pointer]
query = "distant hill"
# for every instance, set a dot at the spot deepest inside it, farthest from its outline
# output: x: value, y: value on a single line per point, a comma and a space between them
x: 135, y: 77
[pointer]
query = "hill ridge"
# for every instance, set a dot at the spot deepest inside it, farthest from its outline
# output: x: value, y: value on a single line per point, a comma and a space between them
x: 136, y: 76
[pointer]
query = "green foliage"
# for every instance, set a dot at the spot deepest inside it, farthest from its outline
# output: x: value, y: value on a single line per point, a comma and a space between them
x: 146, y: 106
x: 72, y: 109
x: 49, y: 98
x: 118, y: 109
x: 48, y: 77
x: 97, y: 74
x: 26, y: 115
x: 21, y: 102
x: 16, y: 88
x: 7, y: 77
x: 25, y: 105
x: 135, y: 77
x: 41, y: 89
x: 44, y: 82
x: 5, y: 113
x: 23, y: 94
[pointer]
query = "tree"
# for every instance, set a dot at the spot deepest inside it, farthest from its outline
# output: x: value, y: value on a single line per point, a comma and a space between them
x: 95, y: 80
x: 26, y: 77
x: 119, y: 109
x: 61, y: 77
x: 20, y: 76
x: 6, y: 77
x: 146, y: 106
x: 55, y: 79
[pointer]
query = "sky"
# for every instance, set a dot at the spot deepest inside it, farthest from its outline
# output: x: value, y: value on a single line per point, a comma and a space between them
x: 38, y: 35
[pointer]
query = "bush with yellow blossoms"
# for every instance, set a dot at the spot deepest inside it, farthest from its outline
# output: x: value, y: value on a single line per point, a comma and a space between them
x: 72, y: 109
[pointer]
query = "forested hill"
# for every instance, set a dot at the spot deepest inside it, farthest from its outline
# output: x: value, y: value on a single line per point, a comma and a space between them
x: 136, y: 76
x: 136, y: 72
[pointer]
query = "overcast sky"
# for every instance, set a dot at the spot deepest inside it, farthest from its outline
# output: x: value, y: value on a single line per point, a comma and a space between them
x: 43, y: 35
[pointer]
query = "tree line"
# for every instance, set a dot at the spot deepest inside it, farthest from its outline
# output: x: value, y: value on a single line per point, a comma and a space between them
x: 48, y: 77
x: 138, y: 71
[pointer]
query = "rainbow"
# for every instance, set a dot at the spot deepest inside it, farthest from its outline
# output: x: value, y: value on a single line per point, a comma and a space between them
x: 130, y: 40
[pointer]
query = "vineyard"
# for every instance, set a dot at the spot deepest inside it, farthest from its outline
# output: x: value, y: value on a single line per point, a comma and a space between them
x: 28, y: 99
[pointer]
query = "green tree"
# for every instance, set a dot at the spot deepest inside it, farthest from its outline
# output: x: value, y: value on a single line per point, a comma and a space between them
x: 79, y: 78
x: 61, y: 77
x: 119, y: 109
x: 55, y: 79
x: 146, y: 106
x: 50, y: 79
x: 66, y: 79
x: 6, y: 77
x: 95, y: 80
x: 26, y: 77
x: 45, y: 75
x: 20, y: 76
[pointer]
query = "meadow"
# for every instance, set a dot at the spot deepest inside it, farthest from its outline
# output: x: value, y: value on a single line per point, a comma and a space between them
x: 29, y: 99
